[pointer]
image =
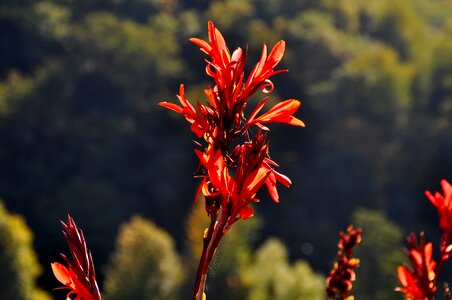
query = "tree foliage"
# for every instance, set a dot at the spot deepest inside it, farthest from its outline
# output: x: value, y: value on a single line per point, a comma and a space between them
x: 18, y: 261
x: 271, y: 276
x: 145, y: 264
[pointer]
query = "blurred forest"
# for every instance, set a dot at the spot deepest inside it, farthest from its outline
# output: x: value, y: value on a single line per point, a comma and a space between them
x: 81, y: 132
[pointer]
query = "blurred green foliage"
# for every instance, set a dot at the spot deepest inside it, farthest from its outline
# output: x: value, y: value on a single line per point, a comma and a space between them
x: 271, y: 276
x: 81, y: 131
x: 379, y: 254
x: 145, y: 264
x: 18, y: 260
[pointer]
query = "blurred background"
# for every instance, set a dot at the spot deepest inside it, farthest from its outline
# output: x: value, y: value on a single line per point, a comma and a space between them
x: 81, y: 133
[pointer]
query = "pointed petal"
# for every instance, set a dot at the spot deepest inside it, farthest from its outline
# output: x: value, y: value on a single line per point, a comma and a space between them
x: 281, y: 178
x: 203, y: 45
x: 281, y: 113
x: 61, y: 273
x: 276, y: 54
x: 257, y: 110
x: 171, y: 106
x: 270, y: 182
x: 253, y: 182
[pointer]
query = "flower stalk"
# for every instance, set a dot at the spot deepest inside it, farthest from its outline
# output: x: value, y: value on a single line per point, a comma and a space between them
x: 78, y: 276
x: 340, y: 280
x: 234, y: 163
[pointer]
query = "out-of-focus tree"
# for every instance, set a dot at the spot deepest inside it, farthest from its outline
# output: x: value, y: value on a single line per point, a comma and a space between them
x: 271, y: 276
x: 145, y: 264
x: 18, y: 261
x: 379, y: 254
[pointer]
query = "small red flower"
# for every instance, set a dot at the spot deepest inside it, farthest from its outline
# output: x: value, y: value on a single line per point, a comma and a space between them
x: 419, y: 279
x: 443, y: 204
x: 340, y: 280
x: 79, y: 275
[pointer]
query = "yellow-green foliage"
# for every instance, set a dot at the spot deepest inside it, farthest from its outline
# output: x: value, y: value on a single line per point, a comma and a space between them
x: 145, y: 264
x: 272, y: 277
x: 19, y: 265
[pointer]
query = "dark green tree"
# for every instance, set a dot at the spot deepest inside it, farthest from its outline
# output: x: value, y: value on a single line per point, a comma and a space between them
x: 379, y: 253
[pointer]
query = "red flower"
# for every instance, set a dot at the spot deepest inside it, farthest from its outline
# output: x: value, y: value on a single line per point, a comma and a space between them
x: 419, y: 279
x: 252, y: 171
x: 79, y: 275
x: 443, y: 204
x: 233, y: 170
x: 340, y: 280
x: 222, y: 120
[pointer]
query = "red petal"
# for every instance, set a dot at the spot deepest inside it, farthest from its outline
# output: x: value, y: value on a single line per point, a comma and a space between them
x: 270, y: 182
x: 257, y: 110
x: 246, y: 212
x: 171, y: 106
x: 254, y: 182
x: 283, y: 179
x: 276, y: 54
x: 61, y: 273
x: 282, y: 113
x: 203, y: 45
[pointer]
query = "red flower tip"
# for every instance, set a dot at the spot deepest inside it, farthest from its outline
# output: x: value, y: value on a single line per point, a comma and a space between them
x: 443, y: 203
x: 79, y: 275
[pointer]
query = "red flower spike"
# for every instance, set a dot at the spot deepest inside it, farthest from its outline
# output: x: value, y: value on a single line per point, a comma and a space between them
x: 232, y: 171
x: 443, y: 203
x: 79, y: 275
x: 340, y: 280
x: 419, y: 279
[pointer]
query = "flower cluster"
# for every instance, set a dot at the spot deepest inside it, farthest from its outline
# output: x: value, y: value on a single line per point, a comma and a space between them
x: 340, y: 280
x: 79, y: 275
x: 222, y: 121
x: 419, y: 280
x: 234, y: 161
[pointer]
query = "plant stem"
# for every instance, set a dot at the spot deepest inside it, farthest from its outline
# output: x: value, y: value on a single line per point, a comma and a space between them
x: 210, y: 243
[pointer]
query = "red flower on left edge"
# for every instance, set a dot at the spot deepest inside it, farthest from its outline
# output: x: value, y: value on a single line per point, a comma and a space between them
x: 79, y: 275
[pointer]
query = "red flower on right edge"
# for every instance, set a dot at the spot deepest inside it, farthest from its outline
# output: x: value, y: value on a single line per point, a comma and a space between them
x: 443, y: 204
x: 419, y: 280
